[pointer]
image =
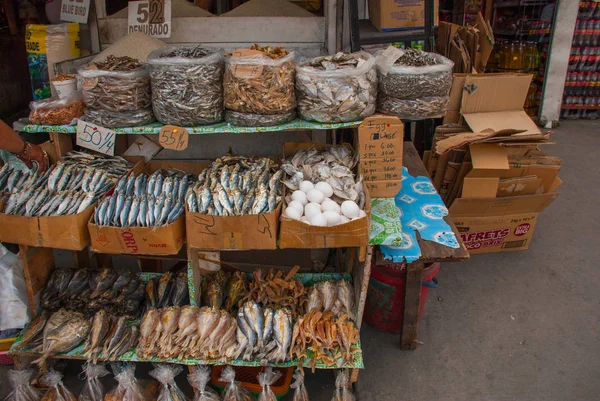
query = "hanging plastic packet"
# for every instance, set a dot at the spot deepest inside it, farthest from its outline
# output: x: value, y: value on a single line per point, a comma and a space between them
x: 266, y: 379
x: 166, y: 374
x: 57, y: 390
x: 300, y: 393
x: 93, y: 389
x: 22, y: 389
x: 129, y: 388
x: 233, y: 391
x: 342, y: 392
x: 199, y: 380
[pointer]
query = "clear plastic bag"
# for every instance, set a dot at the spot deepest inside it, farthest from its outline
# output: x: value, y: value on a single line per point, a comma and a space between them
x: 111, y: 119
x: 199, y: 380
x: 187, y: 85
x: 56, y: 111
x: 342, y: 392
x: 233, y: 391
x: 129, y: 388
x: 266, y: 379
x: 22, y: 390
x: 57, y: 390
x: 166, y: 374
x: 337, y: 95
x: 259, y: 84
x: 414, y: 82
x: 300, y: 393
x: 93, y: 389
x: 258, y: 120
x: 418, y: 109
x: 14, y: 308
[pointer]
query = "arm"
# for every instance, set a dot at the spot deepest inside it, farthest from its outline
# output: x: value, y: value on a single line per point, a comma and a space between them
x: 12, y: 142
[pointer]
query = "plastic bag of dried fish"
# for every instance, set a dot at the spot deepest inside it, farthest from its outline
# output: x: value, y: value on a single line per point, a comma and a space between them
x: 57, y: 390
x: 259, y: 80
x: 266, y: 379
x: 199, y: 380
x: 22, y: 390
x: 337, y: 88
x: 342, y: 391
x: 413, y: 74
x: 56, y: 111
x: 300, y: 393
x: 129, y: 388
x: 93, y: 390
x: 416, y: 109
x: 166, y: 374
x: 258, y: 120
x: 233, y: 391
x: 113, y: 119
x: 117, y: 84
x: 187, y: 85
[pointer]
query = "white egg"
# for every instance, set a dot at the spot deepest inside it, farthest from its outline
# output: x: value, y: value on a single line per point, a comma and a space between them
x: 306, y: 186
x: 314, y: 195
x: 344, y: 219
x: 318, y: 220
x: 362, y: 213
x: 292, y: 213
x: 350, y: 209
x: 332, y: 218
x: 304, y: 220
x: 330, y: 206
x: 296, y: 205
x: 325, y: 188
x: 300, y: 197
x: 311, y: 209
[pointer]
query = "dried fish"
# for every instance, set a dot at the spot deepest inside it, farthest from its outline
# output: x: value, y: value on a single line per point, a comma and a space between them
x: 57, y: 390
x: 33, y: 335
x: 418, y: 109
x: 93, y: 389
x: 199, y: 379
x: 233, y: 391
x: 240, y: 119
x: 274, y: 290
x: 266, y: 379
x: 342, y: 387
x: 114, y: 119
x: 300, y: 393
x: 166, y: 374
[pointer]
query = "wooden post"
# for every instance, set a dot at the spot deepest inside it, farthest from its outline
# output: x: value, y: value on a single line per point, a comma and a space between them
x: 412, y: 301
x: 81, y: 259
x: 38, y: 263
x: 203, y: 262
x: 63, y: 143
x: 104, y: 260
x: 150, y: 265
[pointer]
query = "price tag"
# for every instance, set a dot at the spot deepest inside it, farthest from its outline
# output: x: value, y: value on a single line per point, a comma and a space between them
x: 246, y: 70
x: 152, y: 17
x: 75, y: 10
x: 96, y: 138
x: 173, y: 137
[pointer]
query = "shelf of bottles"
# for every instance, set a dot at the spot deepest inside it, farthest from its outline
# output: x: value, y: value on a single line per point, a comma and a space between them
x: 581, y: 97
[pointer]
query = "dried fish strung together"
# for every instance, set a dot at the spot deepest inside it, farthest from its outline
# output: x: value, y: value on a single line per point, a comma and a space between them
x: 333, y: 165
x: 168, y: 290
x: 273, y: 290
x: 329, y: 339
x: 337, y: 88
x: 235, y: 186
x: 145, y: 200
x: 89, y: 290
x: 110, y: 337
x: 68, y: 187
x: 165, y: 374
x: 336, y: 297
x: 187, y: 87
x: 224, y: 290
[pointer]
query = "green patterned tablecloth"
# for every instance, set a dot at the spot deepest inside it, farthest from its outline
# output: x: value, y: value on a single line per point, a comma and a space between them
x: 386, y: 228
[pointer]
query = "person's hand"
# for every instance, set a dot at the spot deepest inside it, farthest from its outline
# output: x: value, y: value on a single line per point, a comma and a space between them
x: 34, y: 154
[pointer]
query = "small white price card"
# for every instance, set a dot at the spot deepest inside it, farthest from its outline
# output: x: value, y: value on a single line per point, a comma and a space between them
x: 75, y: 10
x: 152, y: 17
x: 96, y: 138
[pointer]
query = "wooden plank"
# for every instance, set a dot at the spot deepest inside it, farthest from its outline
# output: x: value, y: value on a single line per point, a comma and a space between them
x: 412, y: 300
x: 63, y: 143
x: 361, y: 278
x: 38, y: 263
x: 151, y: 265
x: 81, y: 259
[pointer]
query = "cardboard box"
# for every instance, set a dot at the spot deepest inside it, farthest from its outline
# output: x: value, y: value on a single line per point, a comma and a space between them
x: 498, y: 224
x: 390, y: 15
x: 296, y: 234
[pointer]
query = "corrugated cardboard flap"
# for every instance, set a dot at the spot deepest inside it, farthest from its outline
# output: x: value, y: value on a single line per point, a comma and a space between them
x: 514, y: 120
x: 488, y: 160
x: 482, y: 93
x: 512, y: 205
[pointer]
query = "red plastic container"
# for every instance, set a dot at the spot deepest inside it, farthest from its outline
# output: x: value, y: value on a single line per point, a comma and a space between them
x: 384, y: 307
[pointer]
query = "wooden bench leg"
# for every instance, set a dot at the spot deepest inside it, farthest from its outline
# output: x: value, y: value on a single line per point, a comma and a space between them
x: 412, y: 301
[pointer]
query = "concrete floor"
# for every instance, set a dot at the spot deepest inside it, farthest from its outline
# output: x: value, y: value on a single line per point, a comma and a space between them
x: 510, y: 326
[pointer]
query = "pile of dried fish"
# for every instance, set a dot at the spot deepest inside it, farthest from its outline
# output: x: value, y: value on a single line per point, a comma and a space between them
x: 106, y: 118
x: 187, y: 85
x: 224, y: 290
x: 110, y: 337
x: 333, y: 165
x: 258, y: 120
x: 427, y: 107
x: 330, y: 340
x: 56, y: 111
x: 236, y: 185
x: 274, y: 290
x: 145, y: 200
x: 336, y: 297
x: 168, y: 290
x: 337, y: 88
x: 260, y: 80
x: 89, y: 290
x: 68, y: 187
x: 165, y: 374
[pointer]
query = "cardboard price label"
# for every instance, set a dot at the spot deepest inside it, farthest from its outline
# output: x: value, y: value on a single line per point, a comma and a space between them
x: 75, y: 10
x: 152, y: 17
x: 246, y: 70
x: 173, y: 137
x: 96, y: 138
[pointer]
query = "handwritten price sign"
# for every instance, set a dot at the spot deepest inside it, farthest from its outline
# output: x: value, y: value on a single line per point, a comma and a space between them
x: 96, y: 138
x: 173, y: 137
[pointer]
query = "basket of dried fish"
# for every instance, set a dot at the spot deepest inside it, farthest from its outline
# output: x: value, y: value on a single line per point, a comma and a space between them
x: 57, y: 111
x: 117, y: 84
x: 187, y: 87
x: 258, y: 120
x: 337, y: 88
x: 259, y: 80
x: 113, y: 119
x: 413, y: 74
x: 227, y: 197
x: 415, y: 109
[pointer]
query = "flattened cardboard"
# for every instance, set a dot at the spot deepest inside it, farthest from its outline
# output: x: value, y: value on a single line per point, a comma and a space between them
x: 388, y: 15
x: 488, y: 160
x: 519, y: 186
x: 384, y: 189
x: 486, y: 207
x: 479, y: 187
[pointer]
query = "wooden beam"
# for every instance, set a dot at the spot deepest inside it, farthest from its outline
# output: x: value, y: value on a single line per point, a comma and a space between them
x: 81, y: 259
x: 38, y: 264
x: 63, y: 143
x: 104, y: 260
x: 412, y: 302
x: 151, y: 265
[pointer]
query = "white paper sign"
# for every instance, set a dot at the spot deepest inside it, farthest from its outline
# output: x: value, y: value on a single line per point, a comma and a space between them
x: 152, y: 17
x: 75, y: 10
x: 96, y: 138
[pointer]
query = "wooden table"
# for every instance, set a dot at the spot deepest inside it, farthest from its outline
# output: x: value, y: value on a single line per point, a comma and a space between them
x: 430, y: 252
